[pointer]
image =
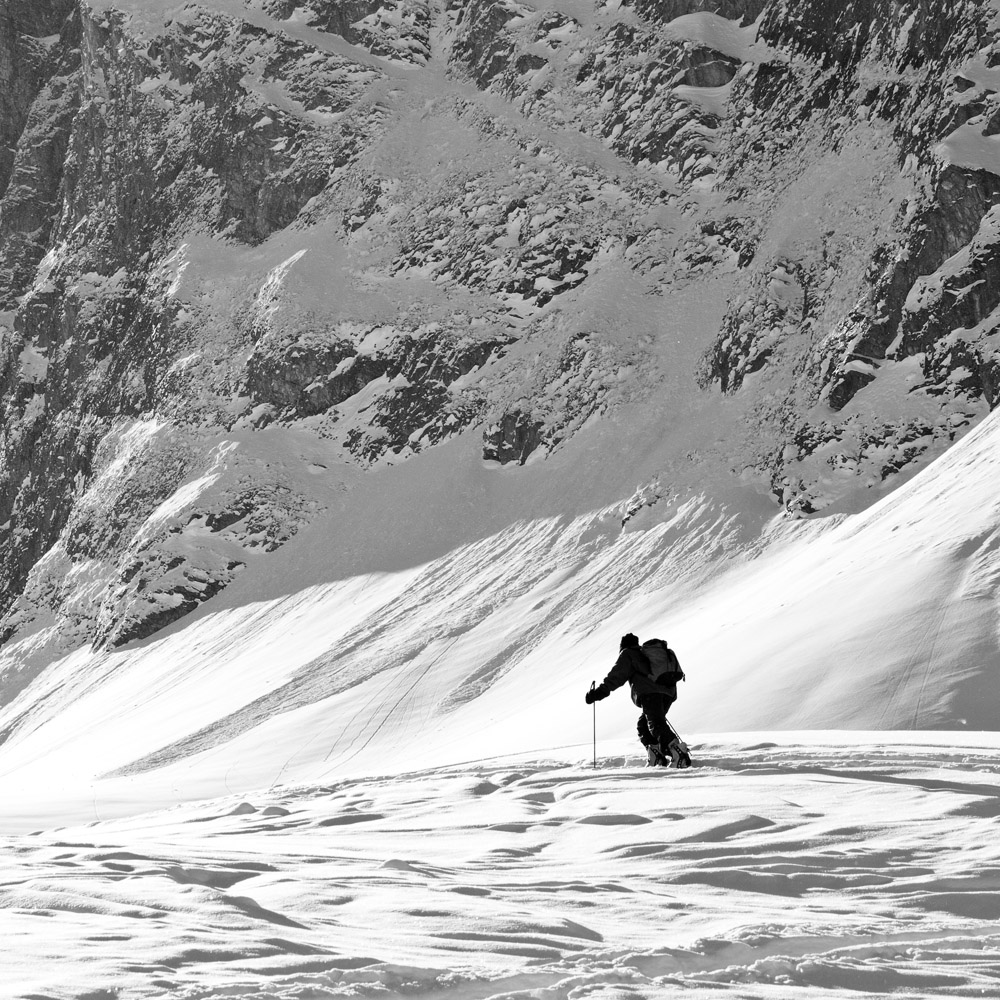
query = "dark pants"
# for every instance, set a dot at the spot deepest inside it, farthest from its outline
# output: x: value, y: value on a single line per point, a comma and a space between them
x: 653, y: 728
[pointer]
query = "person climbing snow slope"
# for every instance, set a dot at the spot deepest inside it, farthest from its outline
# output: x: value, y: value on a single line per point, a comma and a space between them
x: 652, y: 672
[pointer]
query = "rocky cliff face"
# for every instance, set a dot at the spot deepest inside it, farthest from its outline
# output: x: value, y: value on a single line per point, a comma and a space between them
x: 868, y: 80
x: 384, y: 225
x: 39, y: 98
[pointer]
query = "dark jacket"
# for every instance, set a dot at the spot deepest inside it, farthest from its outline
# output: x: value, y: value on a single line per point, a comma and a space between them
x: 633, y: 667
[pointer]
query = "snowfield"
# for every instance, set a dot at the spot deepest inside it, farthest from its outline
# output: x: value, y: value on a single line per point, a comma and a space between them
x: 804, y: 865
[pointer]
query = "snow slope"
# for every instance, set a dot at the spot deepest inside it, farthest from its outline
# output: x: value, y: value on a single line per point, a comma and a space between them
x: 885, y: 619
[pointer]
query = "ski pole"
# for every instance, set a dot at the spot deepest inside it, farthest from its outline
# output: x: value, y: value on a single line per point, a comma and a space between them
x: 593, y: 685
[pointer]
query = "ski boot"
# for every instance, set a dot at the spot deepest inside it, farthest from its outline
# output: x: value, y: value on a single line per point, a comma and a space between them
x: 678, y: 754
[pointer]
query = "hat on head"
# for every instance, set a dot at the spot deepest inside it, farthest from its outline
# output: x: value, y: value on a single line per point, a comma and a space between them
x: 629, y: 639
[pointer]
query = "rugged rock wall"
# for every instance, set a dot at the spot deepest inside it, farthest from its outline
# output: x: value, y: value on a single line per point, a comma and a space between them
x: 39, y: 97
x: 837, y: 77
x: 387, y: 224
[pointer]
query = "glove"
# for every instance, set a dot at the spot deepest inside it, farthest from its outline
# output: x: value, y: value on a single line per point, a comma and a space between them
x: 596, y: 694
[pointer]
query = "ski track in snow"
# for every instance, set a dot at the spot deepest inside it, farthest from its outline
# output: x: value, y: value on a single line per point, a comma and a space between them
x: 768, y: 871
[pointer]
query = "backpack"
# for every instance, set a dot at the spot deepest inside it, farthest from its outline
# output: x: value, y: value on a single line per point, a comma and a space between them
x: 664, y: 667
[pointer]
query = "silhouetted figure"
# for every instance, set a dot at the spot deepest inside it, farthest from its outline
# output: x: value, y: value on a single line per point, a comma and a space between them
x: 652, y: 672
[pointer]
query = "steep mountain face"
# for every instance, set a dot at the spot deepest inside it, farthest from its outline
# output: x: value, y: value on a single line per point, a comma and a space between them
x: 857, y: 312
x: 384, y: 226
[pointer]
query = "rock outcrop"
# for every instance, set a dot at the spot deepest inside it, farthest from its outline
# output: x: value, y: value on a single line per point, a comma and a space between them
x: 866, y: 81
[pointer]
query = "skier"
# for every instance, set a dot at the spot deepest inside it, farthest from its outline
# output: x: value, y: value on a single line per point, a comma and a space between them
x: 663, y: 746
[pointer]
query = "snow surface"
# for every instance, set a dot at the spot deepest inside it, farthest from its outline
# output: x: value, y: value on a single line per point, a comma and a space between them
x: 800, y: 865
x: 968, y: 147
x: 719, y: 34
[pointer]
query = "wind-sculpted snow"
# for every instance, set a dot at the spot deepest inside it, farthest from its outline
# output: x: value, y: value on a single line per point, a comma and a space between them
x: 384, y: 782
x: 776, y: 868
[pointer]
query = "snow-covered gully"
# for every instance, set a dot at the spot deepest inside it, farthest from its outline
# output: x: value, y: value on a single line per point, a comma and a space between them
x: 809, y: 865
